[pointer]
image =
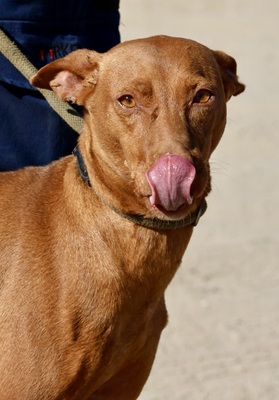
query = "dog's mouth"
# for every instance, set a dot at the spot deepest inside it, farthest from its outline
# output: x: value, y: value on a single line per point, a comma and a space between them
x: 178, y: 214
x: 170, y: 180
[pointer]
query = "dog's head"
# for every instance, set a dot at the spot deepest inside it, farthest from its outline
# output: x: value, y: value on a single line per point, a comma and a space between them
x: 155, y: 109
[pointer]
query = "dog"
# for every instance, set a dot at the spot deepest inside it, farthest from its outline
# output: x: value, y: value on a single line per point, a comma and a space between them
x: 90, y: 242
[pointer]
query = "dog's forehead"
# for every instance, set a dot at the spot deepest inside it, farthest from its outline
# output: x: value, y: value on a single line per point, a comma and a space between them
x: 160, y: 54
x: 156, y: 45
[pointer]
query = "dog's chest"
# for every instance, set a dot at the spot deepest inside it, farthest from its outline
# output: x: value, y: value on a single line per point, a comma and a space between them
x: 119, y: 299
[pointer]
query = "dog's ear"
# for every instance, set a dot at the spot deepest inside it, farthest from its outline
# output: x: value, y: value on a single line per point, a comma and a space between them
x: 227, y: 66
x: 72, y: 78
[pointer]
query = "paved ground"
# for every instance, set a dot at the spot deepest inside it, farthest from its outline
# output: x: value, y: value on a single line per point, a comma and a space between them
x: 222, y: 342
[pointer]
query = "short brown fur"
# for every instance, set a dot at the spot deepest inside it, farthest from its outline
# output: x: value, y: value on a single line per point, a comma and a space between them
x: 82, y: 288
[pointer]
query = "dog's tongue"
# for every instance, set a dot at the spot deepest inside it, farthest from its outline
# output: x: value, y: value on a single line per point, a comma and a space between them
x: 170, y: 180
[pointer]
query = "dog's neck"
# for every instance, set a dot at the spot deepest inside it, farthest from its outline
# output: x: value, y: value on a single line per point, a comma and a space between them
x: 152, y: 223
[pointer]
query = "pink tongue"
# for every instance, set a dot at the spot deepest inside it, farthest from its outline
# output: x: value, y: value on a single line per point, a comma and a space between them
x: 170, y: 180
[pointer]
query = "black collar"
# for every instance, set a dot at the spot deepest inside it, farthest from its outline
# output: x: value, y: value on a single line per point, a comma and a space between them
x: 153, y: 223
x: 81, y: 166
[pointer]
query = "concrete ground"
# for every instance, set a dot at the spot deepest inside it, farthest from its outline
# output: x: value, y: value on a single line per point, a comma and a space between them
x: 222, y: 341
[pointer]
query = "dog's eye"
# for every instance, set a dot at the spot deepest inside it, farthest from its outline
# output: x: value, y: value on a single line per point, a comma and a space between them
x: 202, y: 96
x: 127, y: 101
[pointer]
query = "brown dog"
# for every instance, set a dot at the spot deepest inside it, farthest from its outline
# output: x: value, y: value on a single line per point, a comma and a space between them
x: 90, y: 242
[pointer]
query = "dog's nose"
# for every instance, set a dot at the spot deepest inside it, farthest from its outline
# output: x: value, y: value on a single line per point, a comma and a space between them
x: 170, y: 180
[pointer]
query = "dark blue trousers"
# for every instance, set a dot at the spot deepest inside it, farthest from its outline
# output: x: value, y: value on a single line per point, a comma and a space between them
x: 31, y: 133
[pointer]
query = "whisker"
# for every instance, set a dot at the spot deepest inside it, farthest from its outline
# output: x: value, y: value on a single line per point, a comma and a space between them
x: 220, y: 167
